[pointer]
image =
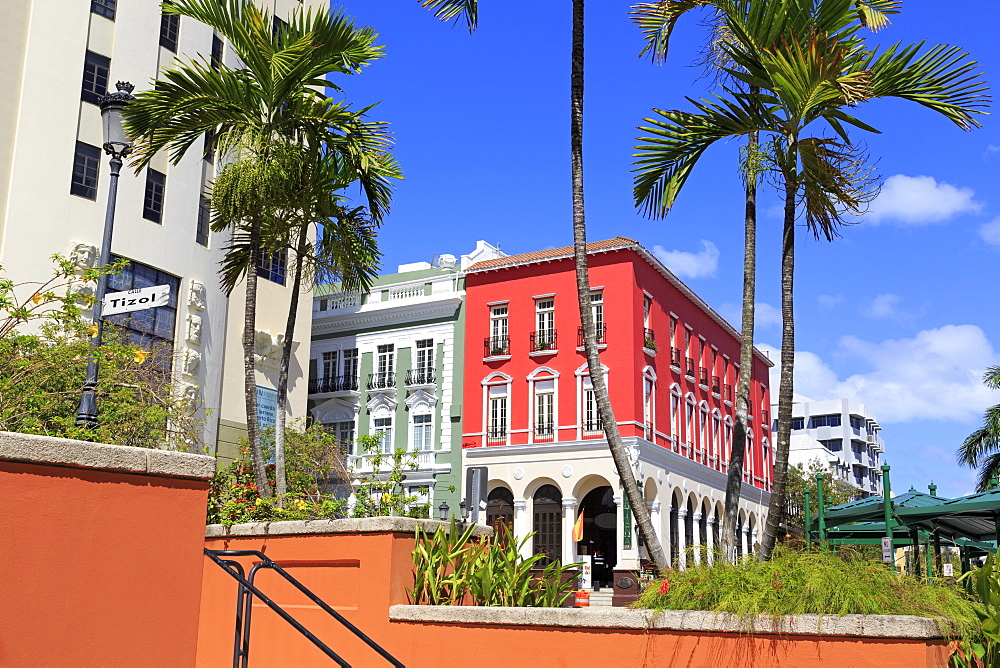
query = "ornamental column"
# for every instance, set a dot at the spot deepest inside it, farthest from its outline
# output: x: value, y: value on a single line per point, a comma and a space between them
x: 682, y: 538
x: 569, y: 520
x: 696, y: 538
x: 710, y: 539
x: 522, y: 525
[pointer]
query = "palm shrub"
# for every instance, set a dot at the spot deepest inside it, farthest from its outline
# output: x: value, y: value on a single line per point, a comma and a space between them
x: 983, y: 650
x: 450, y: 567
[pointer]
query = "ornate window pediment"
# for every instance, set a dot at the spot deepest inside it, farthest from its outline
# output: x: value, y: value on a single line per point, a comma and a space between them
x: 335, y: 410
x: 382, y: 405
x: 421, y: 401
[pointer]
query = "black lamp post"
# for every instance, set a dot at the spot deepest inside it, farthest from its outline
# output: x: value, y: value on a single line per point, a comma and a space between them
x: 443, y: 511
x: 117, y: 145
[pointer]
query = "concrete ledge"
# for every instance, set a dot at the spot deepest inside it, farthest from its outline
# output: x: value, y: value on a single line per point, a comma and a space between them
x: 865, y: 626
x: 307, y: 527
x: 48, y: 450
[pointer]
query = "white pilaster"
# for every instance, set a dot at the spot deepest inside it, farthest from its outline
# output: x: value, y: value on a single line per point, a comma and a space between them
x: 696, y: 538
x: 522, y: 525
x: 710, y: 539
x: 681, y: 538
x: 569, y: 519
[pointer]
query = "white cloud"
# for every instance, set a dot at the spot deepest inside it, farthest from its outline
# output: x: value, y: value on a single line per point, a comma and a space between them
x: 992, y: 148
x: 690, y: 265
x: 936, y: 375
x: 883, y: 306
x: 920, y: 200
x: 990, y: 232
x: 829, y: 301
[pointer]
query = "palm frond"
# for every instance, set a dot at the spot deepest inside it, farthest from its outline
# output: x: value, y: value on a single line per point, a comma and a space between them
x: 449, y: 10
x: 656, y: 20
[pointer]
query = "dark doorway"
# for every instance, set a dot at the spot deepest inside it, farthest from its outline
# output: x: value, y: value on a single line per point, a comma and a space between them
x: 600, y: 534
x: 500, y: 509
x: 547, y: 523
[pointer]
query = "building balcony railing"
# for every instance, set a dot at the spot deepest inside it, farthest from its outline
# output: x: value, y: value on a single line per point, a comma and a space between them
x: 496, y: 435
x: 715, y: 385
x: 333, y: 384
x: 765, y: 418
x: 542, y: 341
x: 649, y: 339
x: 727, y: 392
x: 495, y: 346
x: 544, y: 432
x: 381, y: 381
x: 601, y: 333
x: 420, y: 377
x: 675, y: 357
x: 593, y: 428
x: 703, y: 376
x: 689, y: 367
x: 423, y: 459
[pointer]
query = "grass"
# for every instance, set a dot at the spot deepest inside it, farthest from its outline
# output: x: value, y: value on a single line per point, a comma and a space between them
x: 819, y: 583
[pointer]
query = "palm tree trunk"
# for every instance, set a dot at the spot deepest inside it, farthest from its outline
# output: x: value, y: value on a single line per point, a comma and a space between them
x: 776, y: 509
x: 249, y: 362
x: 622, y: 464
x: 286, y: 357
x: 734, y: 470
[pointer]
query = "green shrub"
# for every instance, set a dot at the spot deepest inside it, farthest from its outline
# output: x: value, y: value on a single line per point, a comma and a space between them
x: 983, y: 650
x: 820, y: 583
x: 451, y: 567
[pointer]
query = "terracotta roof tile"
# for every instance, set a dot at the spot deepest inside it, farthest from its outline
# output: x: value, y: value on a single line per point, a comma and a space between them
x: 552, y: 253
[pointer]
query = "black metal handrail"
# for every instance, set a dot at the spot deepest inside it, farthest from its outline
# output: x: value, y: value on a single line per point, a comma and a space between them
x: 543, y: 340
x: 545, y: 431
x: 715, y: 384
x: 703, y: 376
x: 244, y: 608
x: 381, y: 381
x: 496, y: 435
x: 728, y: 393
x: 420, y: 377
x: 494, y: 346
x: 675, y: 357
x: 689, y: 367
x: 333, y: 384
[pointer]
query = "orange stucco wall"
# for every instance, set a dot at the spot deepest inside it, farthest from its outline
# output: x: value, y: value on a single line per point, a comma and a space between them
x: 98, y: 568
x: 363, y: 593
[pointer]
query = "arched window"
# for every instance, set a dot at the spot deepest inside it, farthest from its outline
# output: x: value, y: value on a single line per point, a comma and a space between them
x: 703, y: 444
x: 675, y: 408
x: 500, y: 509
x: 716, y: 454
x: 674, y: 532
x: 542, y: 395
x: 547, y: 522
x: 727, y: 446
x: 496, y: 409
x: 748, y: 469
x: 689, y: 424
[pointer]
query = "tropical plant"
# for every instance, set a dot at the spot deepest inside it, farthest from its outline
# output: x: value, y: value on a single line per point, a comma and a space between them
x: 380, y: 492
x: 981, y: 449
x: 621, y: 459
x: 451, y: 567
x: 263, y: 112
x: 820, y: 583
x: 836, y: 490
x: 984, y: 650
x: 44, y: 348
x: 811, y: 66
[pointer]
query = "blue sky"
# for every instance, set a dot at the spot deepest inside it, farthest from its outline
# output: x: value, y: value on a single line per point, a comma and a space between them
x: 900, y: 313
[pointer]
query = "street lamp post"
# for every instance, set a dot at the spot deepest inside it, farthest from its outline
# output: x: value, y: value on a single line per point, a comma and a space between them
x: 117, y: 145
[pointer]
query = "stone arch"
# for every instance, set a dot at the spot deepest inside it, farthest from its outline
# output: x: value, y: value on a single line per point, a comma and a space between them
x: 589, y: 483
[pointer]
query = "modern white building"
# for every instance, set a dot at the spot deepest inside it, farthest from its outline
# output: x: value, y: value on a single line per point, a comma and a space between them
x: 841, y: 433
x: 389, y: 362
x: 59, y: 59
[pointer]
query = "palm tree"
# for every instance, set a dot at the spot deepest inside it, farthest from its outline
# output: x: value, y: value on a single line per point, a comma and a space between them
x: 981, y: 449
x: 275, y: 94
x: 657, y: 21
x: 618, y: 454
x: 811, y: 66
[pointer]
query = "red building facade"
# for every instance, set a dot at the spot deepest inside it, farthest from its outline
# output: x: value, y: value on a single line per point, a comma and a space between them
x: 671, y: 367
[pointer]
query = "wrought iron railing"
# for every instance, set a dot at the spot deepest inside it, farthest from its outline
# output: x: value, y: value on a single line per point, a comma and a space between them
x: 420, y: 377
x: 648, y: 339
x: 727, y: 392
x: 544, y: 432
x: 715, y: 384
x: 543, y: 340
x: 703, y: 376
x: 381, y: 381
x: 600, y: 334
x: 675, y: 357
x: 496, y: 345
x: 689, y: 367
x: 593, y: 428
x: 496, y: 436
x: 333, y: 384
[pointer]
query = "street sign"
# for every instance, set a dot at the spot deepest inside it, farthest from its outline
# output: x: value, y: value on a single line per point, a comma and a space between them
x: 886, y: 549
x: 948, y: 570
x: 135, y: 300
x: 475, y: 492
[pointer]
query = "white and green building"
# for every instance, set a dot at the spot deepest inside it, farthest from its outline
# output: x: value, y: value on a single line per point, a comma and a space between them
x: 388, y: 362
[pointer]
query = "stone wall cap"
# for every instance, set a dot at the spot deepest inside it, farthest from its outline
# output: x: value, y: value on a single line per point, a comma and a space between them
x: 864, y: 626
x: 49, y: 450
x: 307, y: 527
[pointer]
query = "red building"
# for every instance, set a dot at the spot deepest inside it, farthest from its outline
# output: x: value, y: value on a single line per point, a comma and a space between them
x: 671, y: 365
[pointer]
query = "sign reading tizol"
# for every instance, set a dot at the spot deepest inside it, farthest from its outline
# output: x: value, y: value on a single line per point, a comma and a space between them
x: 135, y: 300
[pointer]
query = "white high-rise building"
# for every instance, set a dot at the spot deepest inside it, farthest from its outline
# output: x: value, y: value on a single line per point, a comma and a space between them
x: 59, y: 59
x: 841, y: 433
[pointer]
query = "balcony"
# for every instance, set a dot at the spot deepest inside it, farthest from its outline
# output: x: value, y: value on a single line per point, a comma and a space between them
x: 382, y: 381
x: 543, y: 342
x: 496, y: 435
x: 727, y: 392
x: 715, y: 385
x: 689, y: 367
x: 420, y: 377
x: 422, y: 459
x: 703, y: 376
x: 649, y: 340
x: 496, y: 346
x: 765, y: 418
x: 601, y: 333
x: 333, y: 384
x: 675, y: 357
x: 544, y: 432
x: 593, y: 429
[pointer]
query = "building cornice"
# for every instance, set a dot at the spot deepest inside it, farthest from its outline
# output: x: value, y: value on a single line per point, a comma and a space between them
x: 371, y: 315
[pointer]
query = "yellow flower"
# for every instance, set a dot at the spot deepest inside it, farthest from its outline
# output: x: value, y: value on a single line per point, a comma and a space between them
x: 141, y: 355
x: 36, y: 298
x: 259, y: 501
x: 93, y: 331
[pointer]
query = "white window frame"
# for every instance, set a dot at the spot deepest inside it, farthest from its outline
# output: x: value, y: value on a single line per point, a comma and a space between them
x: 425, y: 442
x: 542, y: 375
x: 582, y: 380
x: 384, y: 432
x: 675, y: 415
x: 496, y: 380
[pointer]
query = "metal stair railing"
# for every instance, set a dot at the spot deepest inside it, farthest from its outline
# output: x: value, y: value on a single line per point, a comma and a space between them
x: 241, y: 646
